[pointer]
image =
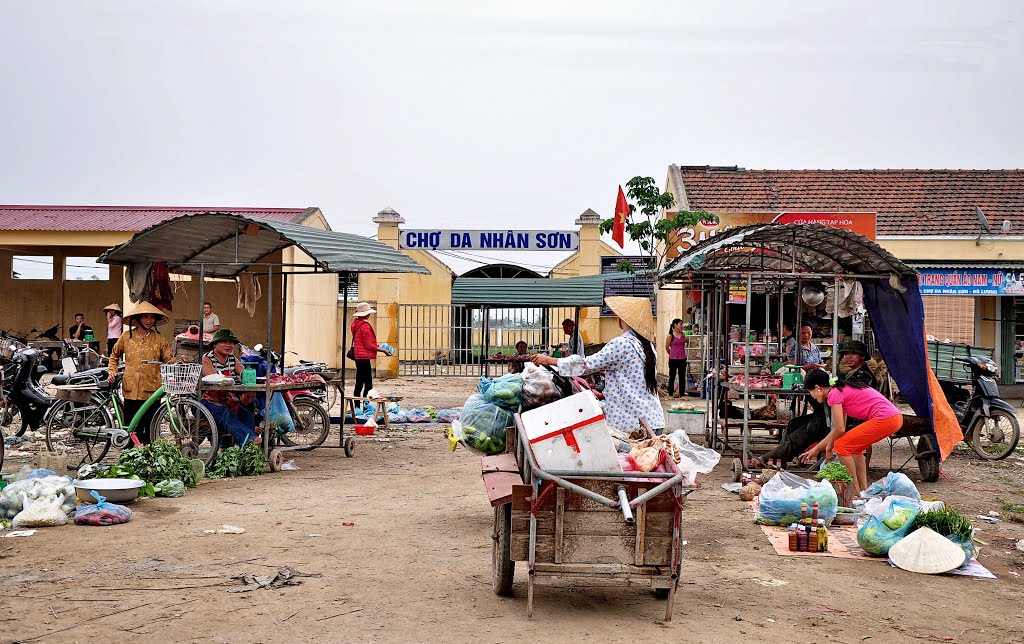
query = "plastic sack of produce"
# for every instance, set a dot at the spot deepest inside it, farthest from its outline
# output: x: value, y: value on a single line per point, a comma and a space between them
x: 278, y: 413
x: 481, y: 426
x: 11, y: 499
x: 448, y: 415
x: 894, y: 484
x: 417, y: 416
x: 101, y: 512
x: 506, y: 391
x: 42, y: 512
x: 170, y: 488
x: 879, y: 533
x: 782, y: 495
x: 878, y: 507
x: 539, y: 387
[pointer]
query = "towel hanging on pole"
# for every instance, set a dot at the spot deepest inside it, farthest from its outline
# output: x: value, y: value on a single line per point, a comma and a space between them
x: 248, y: 292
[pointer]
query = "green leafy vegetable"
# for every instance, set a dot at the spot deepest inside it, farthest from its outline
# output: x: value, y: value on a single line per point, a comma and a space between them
x: 156, y: 462
x: 834, y: 472
x: 238, y: 461
x: 947, y: 523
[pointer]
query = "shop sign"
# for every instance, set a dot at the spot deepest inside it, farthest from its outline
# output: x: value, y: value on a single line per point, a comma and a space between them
x: 970, y: 281
x: 862, y: 223
x: 627, y: 286
x: 737, y: 294
x: 434, y: 239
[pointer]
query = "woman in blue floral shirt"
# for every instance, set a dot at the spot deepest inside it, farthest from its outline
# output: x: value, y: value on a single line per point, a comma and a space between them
x: 628, y: 361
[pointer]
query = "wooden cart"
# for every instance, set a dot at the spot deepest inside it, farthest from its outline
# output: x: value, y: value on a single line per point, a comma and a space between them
x: 623, y: 527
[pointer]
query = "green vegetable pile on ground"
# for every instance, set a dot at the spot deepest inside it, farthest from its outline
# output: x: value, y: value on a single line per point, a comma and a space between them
x: 157, y: 462
x: 834, y: 472
x: 946, y: 522
x: 238, y: 461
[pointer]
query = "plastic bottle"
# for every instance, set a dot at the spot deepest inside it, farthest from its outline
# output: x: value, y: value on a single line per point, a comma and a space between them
x: 822, y: 536
x: 814, y: 515
x: 803, y: 514
x: 801, y: 536
x: 794, y: 543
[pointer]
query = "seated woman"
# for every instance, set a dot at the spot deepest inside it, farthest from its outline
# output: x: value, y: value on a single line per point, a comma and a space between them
x: 881, y: 419
x: 225, y: 407
x: 521, y: 355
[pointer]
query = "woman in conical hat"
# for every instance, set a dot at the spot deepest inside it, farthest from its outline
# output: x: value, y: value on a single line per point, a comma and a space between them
x: 115, y: 324
x: 628, y: 362
x: 141, y: 343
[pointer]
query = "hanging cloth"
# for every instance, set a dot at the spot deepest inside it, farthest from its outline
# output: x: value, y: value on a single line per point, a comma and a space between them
x: 160, y: 293
x: 138, y: 277
x: 248, y: 292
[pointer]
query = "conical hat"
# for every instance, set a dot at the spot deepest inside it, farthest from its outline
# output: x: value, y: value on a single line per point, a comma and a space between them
x: 928, y: 552
x: 146, y: 307
x: 634, y: 311
x: 113, y: 307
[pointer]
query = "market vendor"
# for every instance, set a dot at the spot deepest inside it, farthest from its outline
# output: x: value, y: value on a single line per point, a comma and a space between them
x: 225, y: 407
x: 855, y: 356
x: 141, y: 343
x: 809, y: 356
x: 881, y: 419
x: 521, y: 355
x: 628, y: 363
x: 575, y: 341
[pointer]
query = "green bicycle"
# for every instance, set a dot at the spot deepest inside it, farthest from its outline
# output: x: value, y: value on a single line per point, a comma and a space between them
x: 85, y: 431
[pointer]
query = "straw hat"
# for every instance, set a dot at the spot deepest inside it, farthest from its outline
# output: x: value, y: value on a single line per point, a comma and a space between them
x: 146, y: 307
x: 634, y: 311
x: 363, y: 309
x: 112, y: 307
x: 928, y: 552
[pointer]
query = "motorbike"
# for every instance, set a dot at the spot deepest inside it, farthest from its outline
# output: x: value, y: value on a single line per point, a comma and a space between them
x: 988, y: 422
x: 259, y: 357
x: 25, y: 402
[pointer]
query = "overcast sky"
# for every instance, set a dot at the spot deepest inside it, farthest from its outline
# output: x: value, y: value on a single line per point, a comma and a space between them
x: 485, y: 114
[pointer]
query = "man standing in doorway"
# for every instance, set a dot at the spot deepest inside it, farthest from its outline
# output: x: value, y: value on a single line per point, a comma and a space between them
x: 211, y: 322
x: 575, y: 341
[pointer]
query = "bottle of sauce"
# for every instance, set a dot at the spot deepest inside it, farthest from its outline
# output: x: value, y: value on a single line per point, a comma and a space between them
x: 801, y: 535
x: 822, y: 536
x: 812, y: 539
x: 794, y: 544
x: 803, y: 514
x: 814, y: 515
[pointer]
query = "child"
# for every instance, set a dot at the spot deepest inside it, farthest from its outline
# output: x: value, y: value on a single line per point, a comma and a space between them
x: 881, y: 419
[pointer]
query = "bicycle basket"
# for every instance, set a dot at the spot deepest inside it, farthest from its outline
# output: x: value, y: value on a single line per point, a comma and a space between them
x: 180, y: 378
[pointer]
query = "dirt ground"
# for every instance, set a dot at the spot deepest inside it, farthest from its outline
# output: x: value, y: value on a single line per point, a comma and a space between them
x: 399, y: 540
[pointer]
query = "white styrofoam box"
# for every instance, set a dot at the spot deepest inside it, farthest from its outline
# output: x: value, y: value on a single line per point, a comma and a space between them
x: 587, y: 446
x: 691, y: 422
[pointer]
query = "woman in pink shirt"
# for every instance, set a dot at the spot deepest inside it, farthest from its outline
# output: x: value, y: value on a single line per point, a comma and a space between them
x: 881, y: 419
x: 114, y: 325
x: 675, y: 345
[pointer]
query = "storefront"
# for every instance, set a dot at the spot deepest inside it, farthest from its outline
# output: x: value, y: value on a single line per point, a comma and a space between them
x: 978, y: 303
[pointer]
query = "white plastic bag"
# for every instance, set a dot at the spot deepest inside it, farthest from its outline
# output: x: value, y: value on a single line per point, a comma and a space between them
x: 782, y: 496
x: 693, y: 457
x: 41, y: 513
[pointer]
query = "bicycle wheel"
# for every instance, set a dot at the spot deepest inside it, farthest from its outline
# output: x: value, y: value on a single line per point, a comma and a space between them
x: 311, y: 424
x: 996, y: 437
x: 332, y: 397
x: 189, y: 426
x: 72, y: 429
x: 11, y: 422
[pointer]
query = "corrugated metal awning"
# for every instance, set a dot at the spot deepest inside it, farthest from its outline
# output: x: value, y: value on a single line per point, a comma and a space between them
x: 797, y: 248
x: 587, y: 290
x: 228, y: 244
x: 966, y: 264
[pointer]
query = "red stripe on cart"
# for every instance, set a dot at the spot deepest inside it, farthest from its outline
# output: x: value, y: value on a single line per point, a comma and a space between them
x: 567, y: 433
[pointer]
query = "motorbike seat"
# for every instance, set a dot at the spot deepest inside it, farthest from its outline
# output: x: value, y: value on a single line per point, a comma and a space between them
x: 307, y: 362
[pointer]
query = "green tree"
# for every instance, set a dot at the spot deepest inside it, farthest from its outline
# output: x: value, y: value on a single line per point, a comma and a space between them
x: 645, y: 225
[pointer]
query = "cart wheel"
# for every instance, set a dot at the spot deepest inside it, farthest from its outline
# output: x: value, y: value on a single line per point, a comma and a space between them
x: 928, y: 460
x: 737, y: 470
x: 276, y: 460
x: 350, y: 445
x: 503, y: 569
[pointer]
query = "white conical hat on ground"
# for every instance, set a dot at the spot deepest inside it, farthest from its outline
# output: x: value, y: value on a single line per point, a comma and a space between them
x: 928, y: 552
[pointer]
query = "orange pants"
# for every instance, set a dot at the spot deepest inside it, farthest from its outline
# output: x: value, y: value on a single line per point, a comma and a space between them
x: 863, y: 436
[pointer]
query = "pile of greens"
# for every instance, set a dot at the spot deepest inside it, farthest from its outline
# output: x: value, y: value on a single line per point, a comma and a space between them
x: 834, y: 472
x: 87, y: 472
x: 948, y: 523
x: 157, y: 462
x: 238, y: 461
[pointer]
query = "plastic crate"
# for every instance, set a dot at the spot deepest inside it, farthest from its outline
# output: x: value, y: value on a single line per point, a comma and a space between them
x: 942, y: 359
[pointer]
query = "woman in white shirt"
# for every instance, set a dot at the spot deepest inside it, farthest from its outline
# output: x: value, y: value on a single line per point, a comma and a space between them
x: 628, y: 361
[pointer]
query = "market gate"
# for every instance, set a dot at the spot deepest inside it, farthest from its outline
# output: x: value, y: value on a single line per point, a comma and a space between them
x: 455, y: 340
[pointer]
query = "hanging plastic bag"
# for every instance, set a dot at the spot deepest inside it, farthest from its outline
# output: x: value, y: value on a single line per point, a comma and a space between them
x: 879, y: 533
x: 481, y: 426
x: 278, y: 413
x: 894, y: 484
x: 782, y: 496
x: 693, y: 457
x: 506, y: 391
x: 40, y: 513
x: 101, y: 512
x: 539, y: 387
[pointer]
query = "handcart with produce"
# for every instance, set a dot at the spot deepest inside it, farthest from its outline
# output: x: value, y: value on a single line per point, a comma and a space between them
x: 582, y: 524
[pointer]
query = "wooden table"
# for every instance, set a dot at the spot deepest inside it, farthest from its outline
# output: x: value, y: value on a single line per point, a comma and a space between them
x: 772, y: 426
x: 380, y: 409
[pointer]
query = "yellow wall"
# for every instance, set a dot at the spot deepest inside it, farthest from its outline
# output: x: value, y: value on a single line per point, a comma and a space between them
x: 954, y: 249
x: 587, y: 261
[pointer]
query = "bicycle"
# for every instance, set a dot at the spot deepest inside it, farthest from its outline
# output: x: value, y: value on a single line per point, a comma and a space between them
x: 85, y: 431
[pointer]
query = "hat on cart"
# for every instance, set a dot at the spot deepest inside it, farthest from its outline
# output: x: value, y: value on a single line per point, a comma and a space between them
x: 220, y: 335
x: 112, y: 307
x: 145, y: 307
x: 363, y: 309
x: 634, y: 311
x: 855, y: 346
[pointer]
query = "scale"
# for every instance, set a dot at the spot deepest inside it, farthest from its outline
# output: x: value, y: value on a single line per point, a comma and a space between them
x: 792, y: 376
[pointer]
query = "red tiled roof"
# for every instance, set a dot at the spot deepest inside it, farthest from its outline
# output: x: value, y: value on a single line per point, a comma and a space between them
x: 122, y: 218
x: 908, y: 202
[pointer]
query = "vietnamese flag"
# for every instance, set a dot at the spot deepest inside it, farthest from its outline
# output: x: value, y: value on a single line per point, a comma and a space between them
x: 621, y: 213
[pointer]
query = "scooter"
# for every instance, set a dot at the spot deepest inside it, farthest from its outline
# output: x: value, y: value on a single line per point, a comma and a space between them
x: 988, y: 422
x: 24, y: 396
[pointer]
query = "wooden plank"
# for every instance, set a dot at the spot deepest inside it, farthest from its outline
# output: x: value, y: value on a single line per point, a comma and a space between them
x: 521, y: 548
x: 615, y: 550
x: 641, y: 530
x: 521, y: 495
x: 657, y: 524
x: 603, y: 569
x: 500, y: 474
x: 559, y: 523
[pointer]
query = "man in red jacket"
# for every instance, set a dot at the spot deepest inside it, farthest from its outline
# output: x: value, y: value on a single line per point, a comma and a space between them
x: 365, y: 348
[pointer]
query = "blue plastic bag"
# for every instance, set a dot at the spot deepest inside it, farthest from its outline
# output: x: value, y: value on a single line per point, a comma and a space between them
x: 278, y: 413
x: 894, y: 484
x: 505, y: 391
x: 879, y: 533
x: 781, y: 498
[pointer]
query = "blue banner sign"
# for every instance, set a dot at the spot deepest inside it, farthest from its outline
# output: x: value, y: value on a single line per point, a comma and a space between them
x: 970, y: 281
x: 432, y: 239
